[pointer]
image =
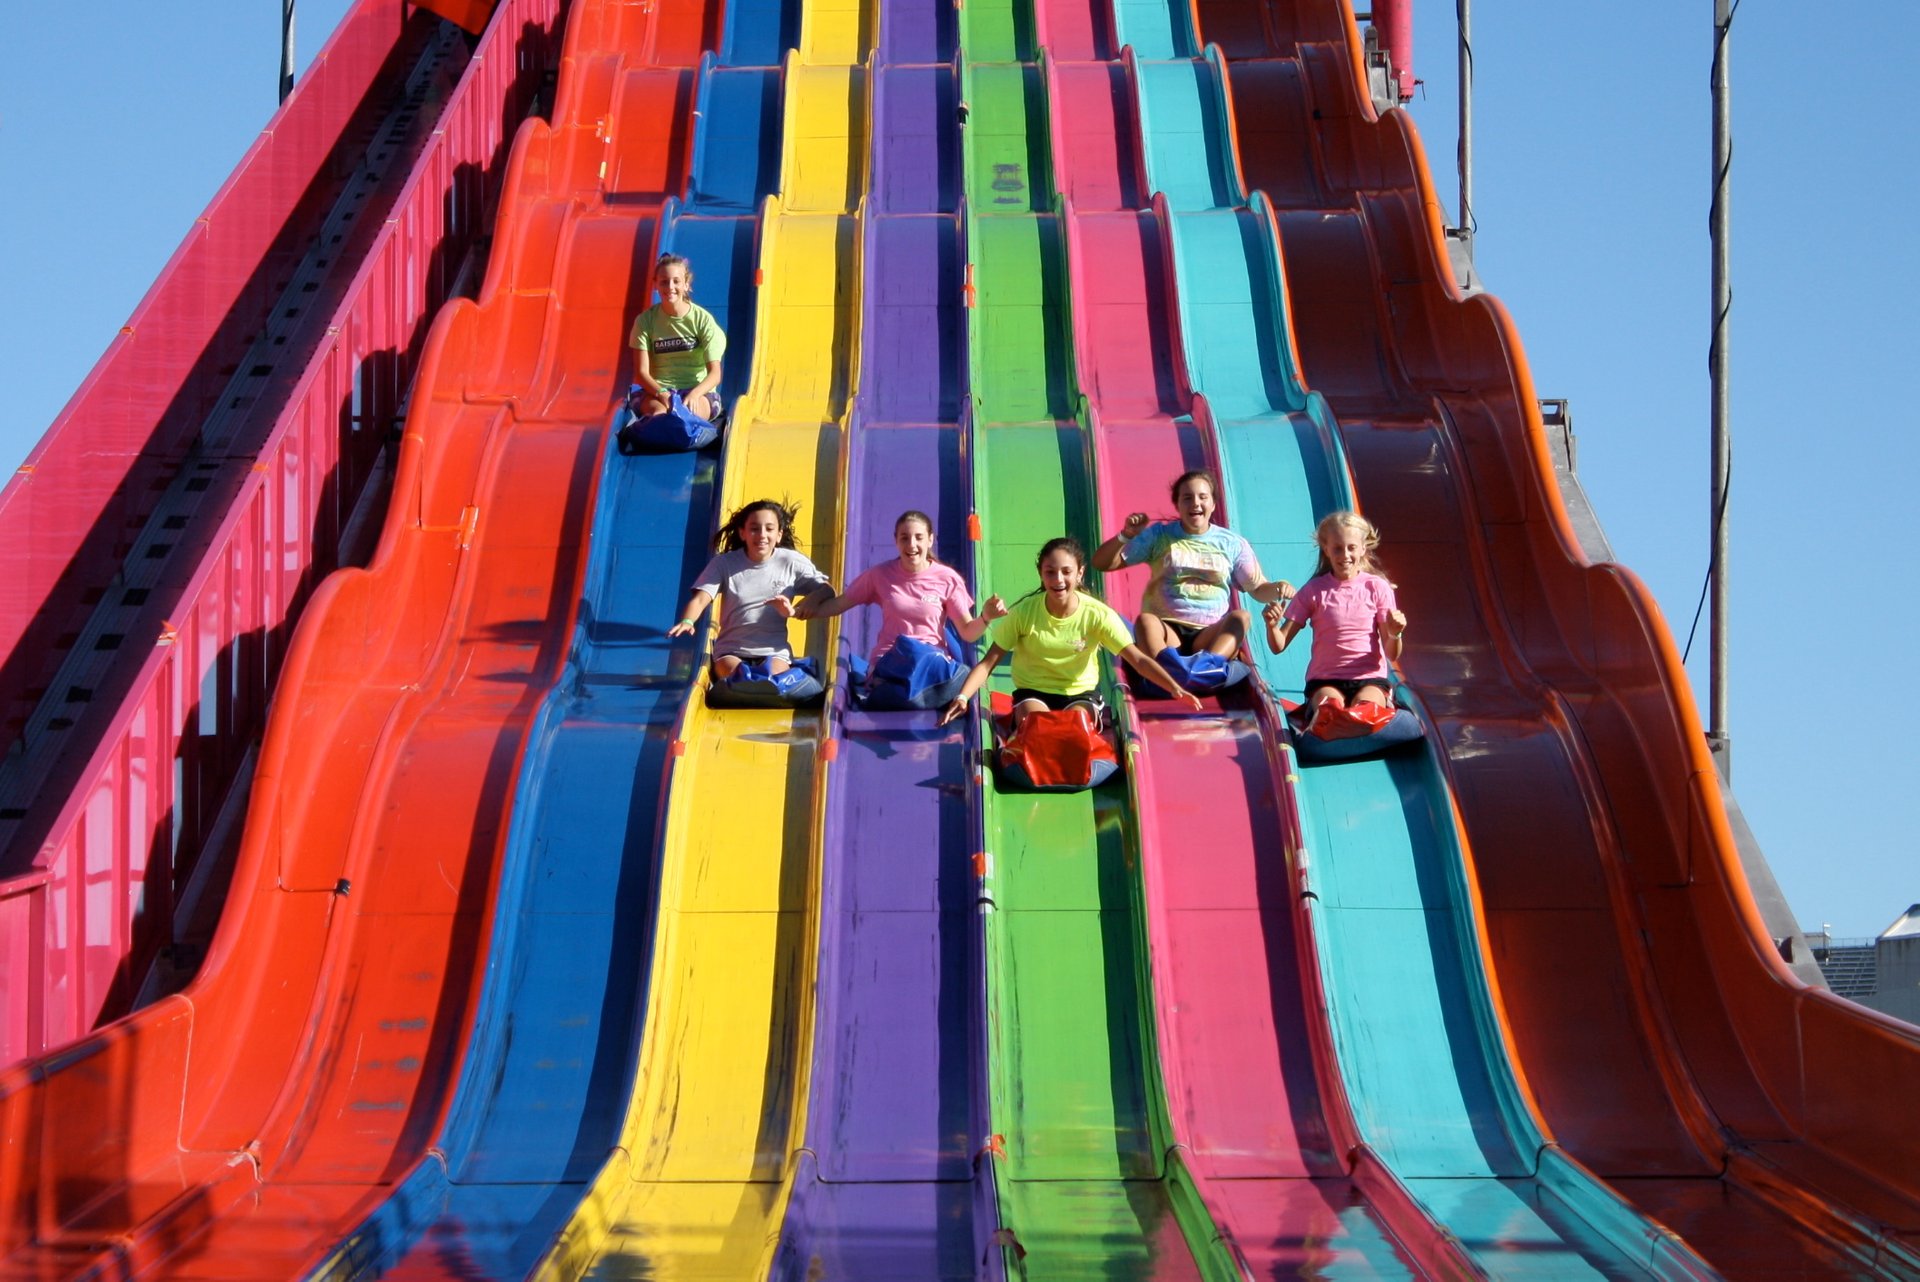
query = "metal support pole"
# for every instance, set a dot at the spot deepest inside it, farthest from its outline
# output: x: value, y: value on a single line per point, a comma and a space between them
x: 1465, y: 9
x: 1722, y: 441
x: 286, y: 48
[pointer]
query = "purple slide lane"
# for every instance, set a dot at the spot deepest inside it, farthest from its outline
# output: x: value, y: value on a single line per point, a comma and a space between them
x: 1253, y: 1094
x: 888, y: 1185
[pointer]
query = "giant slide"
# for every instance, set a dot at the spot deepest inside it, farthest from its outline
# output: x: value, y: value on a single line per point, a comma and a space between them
x: 535, y: 963
x: 1660, y: 1042
x: 240, y: 1128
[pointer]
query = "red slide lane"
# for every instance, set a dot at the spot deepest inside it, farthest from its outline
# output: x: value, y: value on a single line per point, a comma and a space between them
x: 1661, y: 1035
x: 239, y: 1128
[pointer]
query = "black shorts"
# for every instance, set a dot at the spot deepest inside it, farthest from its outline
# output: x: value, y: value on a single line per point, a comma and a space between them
x: 1184, y: 634
x: 1061, y: 702
x: 1350, y: 690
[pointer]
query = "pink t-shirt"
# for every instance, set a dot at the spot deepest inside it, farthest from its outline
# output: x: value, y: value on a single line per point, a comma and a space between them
x: 912, y: 605
x: 1345, y: 615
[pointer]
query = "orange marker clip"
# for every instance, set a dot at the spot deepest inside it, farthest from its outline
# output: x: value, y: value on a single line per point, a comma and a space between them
x: 830, y: 750
x: 973, y: 526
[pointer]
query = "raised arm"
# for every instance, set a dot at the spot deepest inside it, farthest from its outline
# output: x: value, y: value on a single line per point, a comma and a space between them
x: 1393, y: 629
x: 1280, y: 629
x: 976, y: 627
x: 1111, y: 555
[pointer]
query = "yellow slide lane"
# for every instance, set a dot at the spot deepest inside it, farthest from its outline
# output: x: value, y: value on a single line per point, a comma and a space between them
x: 700, y: 1184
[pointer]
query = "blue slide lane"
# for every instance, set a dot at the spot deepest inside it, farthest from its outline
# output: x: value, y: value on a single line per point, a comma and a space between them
x: 1413, y: 1020
x: 547, y: 1077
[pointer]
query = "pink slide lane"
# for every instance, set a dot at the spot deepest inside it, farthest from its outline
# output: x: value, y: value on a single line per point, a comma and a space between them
x: 1255, y: 1100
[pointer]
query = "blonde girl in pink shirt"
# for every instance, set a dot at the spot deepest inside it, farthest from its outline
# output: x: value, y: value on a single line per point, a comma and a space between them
x: 1357, y: 623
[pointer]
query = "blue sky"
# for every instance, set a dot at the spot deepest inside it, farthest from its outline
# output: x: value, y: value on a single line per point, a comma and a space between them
x: 1592, y: 160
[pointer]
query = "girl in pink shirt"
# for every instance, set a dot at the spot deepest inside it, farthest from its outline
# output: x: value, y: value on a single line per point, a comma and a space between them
x: 917, y: 595
x: 1357, y: 624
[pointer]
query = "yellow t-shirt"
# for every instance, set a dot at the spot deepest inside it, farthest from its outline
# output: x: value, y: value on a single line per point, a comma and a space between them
x: 1060, y: 656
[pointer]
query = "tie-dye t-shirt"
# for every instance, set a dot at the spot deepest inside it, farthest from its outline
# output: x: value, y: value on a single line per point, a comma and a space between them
x: 1192, y: 573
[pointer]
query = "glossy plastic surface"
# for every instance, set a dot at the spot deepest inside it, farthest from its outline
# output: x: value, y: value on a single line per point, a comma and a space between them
x: 1666, y: 1045
x: 331, y: 1018
x: 117, y: 807
x: 1265, y: 1144
x: 888, y: 1186
x: 1084, y: 1183
x: 1415, y: 1031
x: 541, y: 1094
x: 707, y: 1155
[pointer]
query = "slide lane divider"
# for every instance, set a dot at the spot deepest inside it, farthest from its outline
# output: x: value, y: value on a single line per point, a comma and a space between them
x: 894, y: 1180
x: 539, y: 1099
x: 1666, y: 1043
x: 701, y: 1179
x: 1391, y: 900
x: 1258, y: 1110
x: 1084, y: 1181
x: 333, y: 1013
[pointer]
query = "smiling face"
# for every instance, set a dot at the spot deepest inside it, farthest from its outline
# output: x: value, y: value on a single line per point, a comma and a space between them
x: 760, y: 534
x: 915, y: 543
x: 1345, y: 549
x: 1060, y: 573
x: 1195, y: 503
x: 675, y: 285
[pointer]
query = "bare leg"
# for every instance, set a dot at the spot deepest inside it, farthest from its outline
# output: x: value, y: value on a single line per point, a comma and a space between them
x: 776, y: 664
x: 1372, y: 694
x: 1022, y: 709
x: 1227, y: 637
x: 1153, y: 635
x: 725, y: 665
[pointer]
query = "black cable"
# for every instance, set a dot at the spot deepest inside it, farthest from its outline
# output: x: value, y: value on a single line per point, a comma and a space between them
x: 1721, y: 32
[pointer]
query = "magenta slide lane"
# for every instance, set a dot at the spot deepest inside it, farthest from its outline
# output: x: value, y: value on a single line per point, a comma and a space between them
x: 1256, y: 1103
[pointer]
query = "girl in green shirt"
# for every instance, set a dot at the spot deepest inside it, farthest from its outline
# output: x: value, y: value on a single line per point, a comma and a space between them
x: 1055, y: 636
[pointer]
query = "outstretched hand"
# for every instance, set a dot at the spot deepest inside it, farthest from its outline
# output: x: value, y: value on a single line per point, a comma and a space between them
x: 785, y: 608
x: 1135, y: 522
x: 954, y: 709
x: 683, y: 628
x: 994, y: 607
x: 1189, y: 698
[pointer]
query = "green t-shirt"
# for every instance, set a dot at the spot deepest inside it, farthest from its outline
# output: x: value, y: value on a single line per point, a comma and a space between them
x: 1060, y: 656
x: 679, y: 347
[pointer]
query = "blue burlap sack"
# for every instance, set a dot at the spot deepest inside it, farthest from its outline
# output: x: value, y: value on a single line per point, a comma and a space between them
x: 753, y: 686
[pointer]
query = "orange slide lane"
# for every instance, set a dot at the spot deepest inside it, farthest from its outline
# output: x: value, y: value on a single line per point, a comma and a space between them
x: 238, y: 1129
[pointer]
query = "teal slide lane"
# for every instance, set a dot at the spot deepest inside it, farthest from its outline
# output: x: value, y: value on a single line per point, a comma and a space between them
x: 1414, y: 1022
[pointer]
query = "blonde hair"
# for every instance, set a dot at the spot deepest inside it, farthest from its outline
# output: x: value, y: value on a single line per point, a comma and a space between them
x: 1345, y: 522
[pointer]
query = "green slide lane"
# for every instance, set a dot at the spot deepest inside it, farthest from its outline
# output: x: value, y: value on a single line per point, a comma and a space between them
x: 1077, y: 1101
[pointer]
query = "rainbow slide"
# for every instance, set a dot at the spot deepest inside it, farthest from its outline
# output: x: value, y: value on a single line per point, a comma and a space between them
x: 534, y: 964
